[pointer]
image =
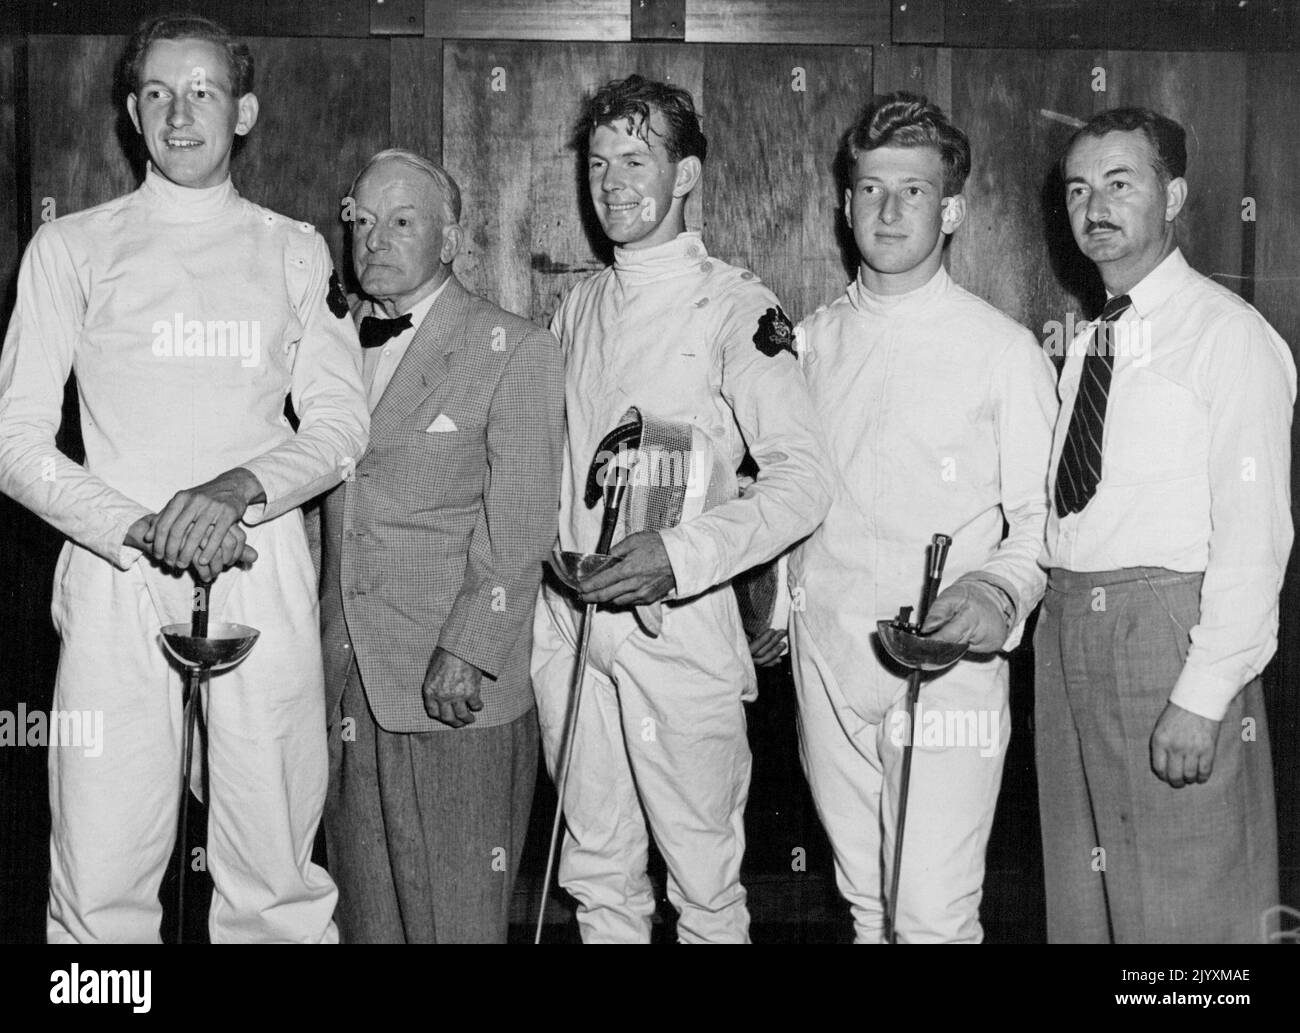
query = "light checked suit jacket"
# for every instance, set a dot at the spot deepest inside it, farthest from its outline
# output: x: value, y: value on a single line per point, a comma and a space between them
x: 439, y: 536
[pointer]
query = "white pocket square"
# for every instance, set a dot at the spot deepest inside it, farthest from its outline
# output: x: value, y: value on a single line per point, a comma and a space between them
x: 441, y: 425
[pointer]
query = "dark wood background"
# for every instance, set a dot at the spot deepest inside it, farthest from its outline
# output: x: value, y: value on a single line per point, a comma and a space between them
x: 339, y: 80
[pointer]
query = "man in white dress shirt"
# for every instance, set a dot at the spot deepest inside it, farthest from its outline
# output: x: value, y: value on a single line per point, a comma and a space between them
x: 1166, y: 547
x: 188, y: 314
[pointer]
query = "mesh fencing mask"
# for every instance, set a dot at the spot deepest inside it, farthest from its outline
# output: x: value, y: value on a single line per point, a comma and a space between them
x: 675, y: 474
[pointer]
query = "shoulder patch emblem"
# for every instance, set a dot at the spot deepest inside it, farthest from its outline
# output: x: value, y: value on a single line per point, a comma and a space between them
x: 335, y: 298
x: 775, y: 333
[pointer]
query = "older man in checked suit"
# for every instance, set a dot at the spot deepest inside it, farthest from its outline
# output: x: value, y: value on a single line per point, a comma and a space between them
x: 432, y: 557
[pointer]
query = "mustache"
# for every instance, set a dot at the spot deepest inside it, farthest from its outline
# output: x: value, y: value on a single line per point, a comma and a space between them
x: 1100, y: 225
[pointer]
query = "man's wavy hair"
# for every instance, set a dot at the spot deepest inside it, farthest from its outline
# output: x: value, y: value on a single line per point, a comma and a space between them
x: 909, y: 120
x: 634, y: 98
x: 1167, y: 138
x: 186, y: 26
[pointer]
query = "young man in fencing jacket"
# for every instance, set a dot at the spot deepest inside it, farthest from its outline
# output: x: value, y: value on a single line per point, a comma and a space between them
x: 661, y: 744
x: 188, y: 314
x: 938, y: 412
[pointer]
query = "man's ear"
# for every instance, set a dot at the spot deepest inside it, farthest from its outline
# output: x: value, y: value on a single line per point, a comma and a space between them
x: 1175, y: 197
x: 954, y: 213
x: 689, y: 170
x: 452, y: 239
x: 248, y: 109
x: 132, y: 109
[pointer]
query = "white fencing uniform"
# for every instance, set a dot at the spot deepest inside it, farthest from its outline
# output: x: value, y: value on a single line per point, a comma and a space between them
x: 938, y: 412
x: 662, y: 727
x: 188, y: 317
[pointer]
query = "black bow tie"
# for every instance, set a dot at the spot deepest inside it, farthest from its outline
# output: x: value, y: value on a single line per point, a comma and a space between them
x: 375, y: 331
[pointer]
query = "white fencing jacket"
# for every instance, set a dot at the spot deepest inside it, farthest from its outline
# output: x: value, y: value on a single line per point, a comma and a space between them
x: 938, y: 411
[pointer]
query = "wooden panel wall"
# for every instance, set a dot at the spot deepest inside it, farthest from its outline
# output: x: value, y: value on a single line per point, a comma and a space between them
x: 1273, y: 146
x: 28, y: 643
x: 1158, y: 25
x: 415, y: 96
x: 248, y: 18
x: 604, y: 20
x: 787, y: 21
x: 10, y: 230
x: 1273, y: 143
x: 1168, y: 25
x: 1015, y: 249
x: 80, y: 134
x: 771, y: 200
x: 325, y: 110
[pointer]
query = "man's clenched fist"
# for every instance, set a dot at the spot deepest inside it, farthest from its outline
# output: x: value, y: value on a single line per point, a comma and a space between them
x: 451, y: 689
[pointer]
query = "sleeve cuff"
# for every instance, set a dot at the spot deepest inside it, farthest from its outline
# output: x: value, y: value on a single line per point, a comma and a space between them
x: 481, y: 635
x: 486, y: 661
x: 126, y: 557
x: 467, y: 656
x: 255, y: 513
x: 123, y: 556
x: 1203, y: 693
x: 689, y: 583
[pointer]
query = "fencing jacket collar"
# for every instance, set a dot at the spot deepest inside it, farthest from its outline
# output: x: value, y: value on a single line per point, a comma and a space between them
x: 646, y: 265
x: 867, y: 302
x: 192, y: 204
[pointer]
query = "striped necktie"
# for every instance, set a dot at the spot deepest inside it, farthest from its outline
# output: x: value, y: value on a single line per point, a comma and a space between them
x: 1080, y: 467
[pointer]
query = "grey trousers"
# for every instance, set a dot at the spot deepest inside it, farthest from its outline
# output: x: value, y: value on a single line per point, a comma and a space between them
x: 1128, y: 858
x: 424, y: 830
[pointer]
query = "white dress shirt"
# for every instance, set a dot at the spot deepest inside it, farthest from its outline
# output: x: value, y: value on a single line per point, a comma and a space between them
x: 1196, y: 461
x: 380, y: 363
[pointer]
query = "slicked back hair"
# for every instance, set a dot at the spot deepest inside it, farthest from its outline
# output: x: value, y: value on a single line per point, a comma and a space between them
x: 1168, y: 139
x: 186, y: 26
x: 634, y: 98
x: 909, y: 120
x: 441, y: 177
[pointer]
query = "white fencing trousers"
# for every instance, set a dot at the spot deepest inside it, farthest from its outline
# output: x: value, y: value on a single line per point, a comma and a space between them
x: 661, y: 727
x: 114, y: 815
x: 854, y: 769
